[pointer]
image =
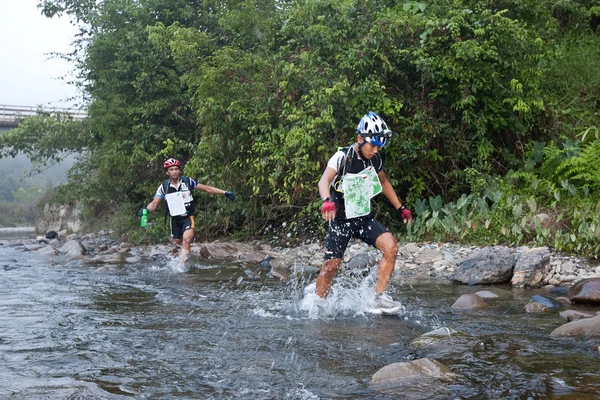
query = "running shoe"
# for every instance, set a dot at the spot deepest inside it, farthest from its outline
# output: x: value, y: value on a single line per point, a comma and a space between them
x: 384, y: 304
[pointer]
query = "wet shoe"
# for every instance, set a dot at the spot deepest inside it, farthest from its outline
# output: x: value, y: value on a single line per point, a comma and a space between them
x: 384, y: 304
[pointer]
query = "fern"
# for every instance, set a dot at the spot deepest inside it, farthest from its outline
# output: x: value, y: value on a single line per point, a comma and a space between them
x: 582, y: 168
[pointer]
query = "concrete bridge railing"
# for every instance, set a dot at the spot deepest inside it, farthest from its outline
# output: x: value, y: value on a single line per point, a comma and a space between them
x: 10, y: 116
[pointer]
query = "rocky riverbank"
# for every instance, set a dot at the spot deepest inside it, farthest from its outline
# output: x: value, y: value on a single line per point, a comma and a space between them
x: 461, y: 264
x: 522, y: 267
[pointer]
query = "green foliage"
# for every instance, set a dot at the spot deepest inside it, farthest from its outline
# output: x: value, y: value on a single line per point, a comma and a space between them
x: 556, y: 203
x: 256, y: 96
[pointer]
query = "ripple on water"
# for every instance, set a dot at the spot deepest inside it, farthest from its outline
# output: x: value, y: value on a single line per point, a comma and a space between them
x: 226, y: 331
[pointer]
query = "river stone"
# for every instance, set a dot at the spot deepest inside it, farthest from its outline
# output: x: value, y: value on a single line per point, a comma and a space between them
x: 48, y: 251
x: 573, y: 315
x: 266, y: 263
x: 409, y: 249
x: 531, y: 267
x: 486, y: 294
x: 468, y: 302
x: 361, y: 261
x: 495, y: 294
x: 550, y: 303
x: 305, y: 271
x: 230, y: 251
x: 407, y: 373
x: 487, y: 266
x: 559, y: 290
x: 564, y: 300
x: 115, y: 258
x: 582, y: 327
x: 535, y: 307
x: 586, y: 291
x: 283, y: 264
x: 428, y: 256
x: 433, y: 337
x: 73, y: 248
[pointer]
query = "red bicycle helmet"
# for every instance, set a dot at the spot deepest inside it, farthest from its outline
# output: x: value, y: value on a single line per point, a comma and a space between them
x: 171, y: 162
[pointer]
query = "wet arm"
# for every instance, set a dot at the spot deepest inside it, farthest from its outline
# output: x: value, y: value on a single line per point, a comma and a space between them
x: 388, y: 190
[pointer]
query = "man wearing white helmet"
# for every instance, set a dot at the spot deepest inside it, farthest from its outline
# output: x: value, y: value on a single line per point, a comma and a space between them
x: 177, y: 192
x: 372, y: 135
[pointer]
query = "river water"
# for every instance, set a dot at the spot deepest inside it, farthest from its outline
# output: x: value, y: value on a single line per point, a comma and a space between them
x: 229, y: 331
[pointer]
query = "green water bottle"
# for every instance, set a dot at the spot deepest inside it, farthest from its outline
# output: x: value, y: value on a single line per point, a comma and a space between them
x: 144, y: 219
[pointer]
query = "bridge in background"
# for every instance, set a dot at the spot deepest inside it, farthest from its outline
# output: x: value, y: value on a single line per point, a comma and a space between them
x: 11, y: 116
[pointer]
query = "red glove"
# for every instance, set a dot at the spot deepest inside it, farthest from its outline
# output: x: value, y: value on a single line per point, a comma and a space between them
x: 328, y: 206
x: 404, y: 214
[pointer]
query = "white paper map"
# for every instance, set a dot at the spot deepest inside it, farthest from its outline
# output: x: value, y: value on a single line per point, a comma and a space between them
x: 176, y: 204
x: 358, y: 190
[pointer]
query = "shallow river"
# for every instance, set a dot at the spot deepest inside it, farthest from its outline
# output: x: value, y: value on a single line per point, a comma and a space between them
x: 226, y: 331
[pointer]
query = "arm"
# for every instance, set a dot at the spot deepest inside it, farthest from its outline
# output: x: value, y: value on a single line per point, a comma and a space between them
x: 209, y: 189
x: 325, y: 182
x: 328, y: 208
x: 388, y: 190
x: 154, y: 203
x: 390, y: 194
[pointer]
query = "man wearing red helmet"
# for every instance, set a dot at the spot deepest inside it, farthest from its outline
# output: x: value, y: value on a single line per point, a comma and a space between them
x: 177, y: 192
x: 361, y: 159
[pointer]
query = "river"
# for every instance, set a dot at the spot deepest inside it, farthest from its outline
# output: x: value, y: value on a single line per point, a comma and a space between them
x: 227, y: 331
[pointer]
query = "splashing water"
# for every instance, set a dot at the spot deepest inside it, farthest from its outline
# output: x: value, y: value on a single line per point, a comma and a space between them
x: 352, y: 295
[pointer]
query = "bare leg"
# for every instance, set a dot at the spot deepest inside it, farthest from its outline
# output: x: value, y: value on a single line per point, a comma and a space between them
x: 176, y: 247
x: 188, y: 235
x: 387, y: 244
x: 328, y: 271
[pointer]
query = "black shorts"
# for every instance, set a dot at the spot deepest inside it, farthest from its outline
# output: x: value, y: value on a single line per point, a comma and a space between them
x: 339, y: 233
x: 180, y: 225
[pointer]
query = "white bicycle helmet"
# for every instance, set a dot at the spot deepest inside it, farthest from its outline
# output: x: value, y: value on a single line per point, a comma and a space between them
x: 374, y: 129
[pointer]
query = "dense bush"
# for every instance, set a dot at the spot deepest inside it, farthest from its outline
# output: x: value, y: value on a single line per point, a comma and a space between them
x: 255, y: 96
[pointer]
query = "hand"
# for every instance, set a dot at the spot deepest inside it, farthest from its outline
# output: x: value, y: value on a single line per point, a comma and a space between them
x: 141, y: 212
x: 404, y: 214
x: 328, y: 210
x: 230, y: 195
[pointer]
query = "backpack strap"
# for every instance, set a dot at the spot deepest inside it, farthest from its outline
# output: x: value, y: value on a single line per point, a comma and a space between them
x: 347, y: 160
x: 165, y: 187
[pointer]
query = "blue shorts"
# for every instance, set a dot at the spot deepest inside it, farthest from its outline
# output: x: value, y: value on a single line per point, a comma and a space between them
x: 180, y: 225
x: 339, y: 233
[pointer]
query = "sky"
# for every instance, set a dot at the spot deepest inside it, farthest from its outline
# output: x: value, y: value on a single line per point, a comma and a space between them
x: 28, y: 76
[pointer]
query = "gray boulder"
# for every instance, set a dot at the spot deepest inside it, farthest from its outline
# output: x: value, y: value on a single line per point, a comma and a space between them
x: 535, y: 307
x: 421, y: 378
x: 73, y: 248
x: 586, y: 291
x: 581, y: 327
x: 469, y: 302
x: 574, y: 315
x: 361, y: 261
x: 485, y: 267
x: 531, y: 267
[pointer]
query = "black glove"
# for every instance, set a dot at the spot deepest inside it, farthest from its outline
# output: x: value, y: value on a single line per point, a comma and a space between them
x: 230, y: 195
x: 141, y: 211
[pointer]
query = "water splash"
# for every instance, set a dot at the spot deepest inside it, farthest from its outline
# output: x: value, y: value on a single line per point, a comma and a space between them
x: 352, y: 295
x: 172, y: 264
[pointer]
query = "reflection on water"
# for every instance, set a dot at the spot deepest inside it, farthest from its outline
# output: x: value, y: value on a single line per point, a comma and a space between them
x: 225, y: 331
